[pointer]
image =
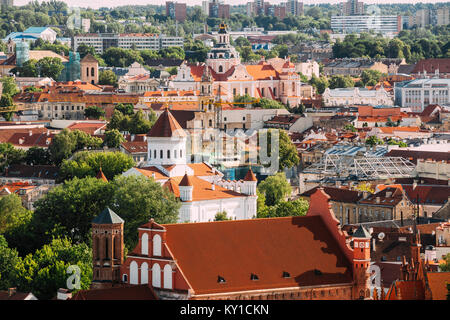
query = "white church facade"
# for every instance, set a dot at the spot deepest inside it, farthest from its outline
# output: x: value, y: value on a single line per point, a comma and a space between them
x: 199, y: 186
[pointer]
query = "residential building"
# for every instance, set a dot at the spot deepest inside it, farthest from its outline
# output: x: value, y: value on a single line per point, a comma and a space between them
x: 439, y: 68
x: 426, y: 17
x: 176, y: 11
x: 217, y: 9
x: 308, y: 68
x: 363, y: 23
x: 353, y: 67
x: 352, y: 8
x: 35, y: 175
x: 289, y: 122
x: 294, y: 7
x: 102, y: 41
x: 419, y: 93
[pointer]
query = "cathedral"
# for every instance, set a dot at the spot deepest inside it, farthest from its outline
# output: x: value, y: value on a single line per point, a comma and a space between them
x: 224, y: 76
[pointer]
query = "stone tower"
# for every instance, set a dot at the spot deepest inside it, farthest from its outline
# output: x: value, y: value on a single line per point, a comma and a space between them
x: 107, y: 249
x: 89, y: 69
x: 361, y: 263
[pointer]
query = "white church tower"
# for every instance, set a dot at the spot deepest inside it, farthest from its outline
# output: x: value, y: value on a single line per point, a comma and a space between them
x: 166, y: 142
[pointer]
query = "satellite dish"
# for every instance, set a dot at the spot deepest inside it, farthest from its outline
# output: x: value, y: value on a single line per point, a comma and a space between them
x: 381, y: 235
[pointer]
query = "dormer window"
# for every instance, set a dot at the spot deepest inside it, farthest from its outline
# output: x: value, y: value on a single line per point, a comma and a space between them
x: 254, y: 277
x: 286, y: 274
x: 220, y: 279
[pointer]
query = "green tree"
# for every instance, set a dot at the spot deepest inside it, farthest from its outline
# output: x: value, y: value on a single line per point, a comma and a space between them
x: 275, y: 188
x: 9, y: 86
x: 49, y: 67
x: 370, y: 77
x: 107, y: 77
x: 113, y: 138
x: 94, y: 112
x: 137, y: 199
x: 288, y: 155
x: 339, y: 81
x: 221, y: 216
x: 84, y: 49
x: 37, y: 156
x: 265, y: 103
x: 126, y: 109
x: 373, y: 141
x: 9, y: 263
x: 10, y: 155
x: 320, y: 84
x: 86, y: 164
x: 45, y: 271
x: 12, y: 213
x: 139, y: 123
x: 6, y: 103
x: 297, y: 207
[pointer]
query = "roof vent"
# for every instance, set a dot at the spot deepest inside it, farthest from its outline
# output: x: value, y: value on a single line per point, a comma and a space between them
x: 220, y: 279
x: 254, y: 277
x: 286, y: 274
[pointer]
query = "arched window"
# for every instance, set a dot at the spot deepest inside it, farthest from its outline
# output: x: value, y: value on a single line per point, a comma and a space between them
x: 181, y: 153
x: 210, y: 122
x: 175, y: 154
x: 156, y: 275
x: 124, y: 278
x: 144, y: 273
x: 92, y: 71
x: 168, y: 154
x: 144, y: 244
x: 134, y: 273
x: 150, y: 153
x: 156, y: 245
x: 87, y: 72
x: 154, y: 154
x: 220, y: 69
x: 160, y: 154
x: 167, y: 277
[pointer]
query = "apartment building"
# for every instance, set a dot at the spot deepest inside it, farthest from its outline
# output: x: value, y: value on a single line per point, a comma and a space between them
x: 357, y: 24
x: 140, y: 41
x: 176, y: 11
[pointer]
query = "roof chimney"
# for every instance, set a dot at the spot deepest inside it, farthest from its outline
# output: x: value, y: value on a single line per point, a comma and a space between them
x: 213, y: 187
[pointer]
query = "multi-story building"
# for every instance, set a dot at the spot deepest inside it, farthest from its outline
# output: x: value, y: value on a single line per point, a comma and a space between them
x: 140, y: 41
x: 350, y: 96
x: 176, y: 10
x: 357, y: 24
x: 352, y: 8
x: 353, y: 67
x: 418, y: 94
x: 294, y: 7
x: 216, y: 9
x: 425, y: 17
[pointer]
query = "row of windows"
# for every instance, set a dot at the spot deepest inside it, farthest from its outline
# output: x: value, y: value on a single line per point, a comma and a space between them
x: 156, y: 275
x: 161, y: 153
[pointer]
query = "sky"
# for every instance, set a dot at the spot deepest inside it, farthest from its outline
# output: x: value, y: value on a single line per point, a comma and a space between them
x: 95, y: 4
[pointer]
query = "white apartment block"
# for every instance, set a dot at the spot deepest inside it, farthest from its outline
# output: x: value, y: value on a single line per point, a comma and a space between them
x: 102, y: 41
x: 418, y: 94
x: 358, y: 24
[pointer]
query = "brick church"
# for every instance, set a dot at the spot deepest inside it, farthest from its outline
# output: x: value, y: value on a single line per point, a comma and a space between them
x: 293, y: 258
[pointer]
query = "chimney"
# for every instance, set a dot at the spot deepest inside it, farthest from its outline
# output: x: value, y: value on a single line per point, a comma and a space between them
x: 213, y: 187
x: 63, y: 294
x: 11, y: 291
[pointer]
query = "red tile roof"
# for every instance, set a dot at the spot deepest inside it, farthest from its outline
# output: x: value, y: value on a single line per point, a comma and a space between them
x: 166, y: 126
x: 250, y: 176
x: 431, y: 65
x: 438, y: 284
x: 265, y: 247
x: 406, y: 290
x: 136, y: 292
x: 186, y: 181
x: 337, y: 194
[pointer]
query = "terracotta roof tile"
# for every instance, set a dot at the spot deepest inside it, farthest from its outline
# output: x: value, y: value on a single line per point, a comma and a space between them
x: 135, y: 292
x: 166, y: 126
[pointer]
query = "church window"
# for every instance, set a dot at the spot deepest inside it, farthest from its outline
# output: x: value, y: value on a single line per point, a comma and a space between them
x: 210, y: 122
x: 156, y: 275
x: 124, y: 278
x: 92, y: 71
x: 167, y: 277
x: 262, y: 92
x: 144, y: 273
x: 168, y: 154
x: 275, y: 92
x: 234, y: 91
x: 133, y: 273
x: 156, y: 245
x: 154, y: 154
x: 246, y: 90
x: 160, y: 154
x: 87, y: 72
x: 144, y: 244
x: 220, y: 69
x: 175, y: 154
x: 181, y: 153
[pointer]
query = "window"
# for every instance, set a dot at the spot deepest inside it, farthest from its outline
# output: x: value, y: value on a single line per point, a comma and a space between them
x: 92, y: 71
x: 156, y: 245
x: 144, y: 273
x: 220, y: 69
x: 87, y: 72
x: 154, y: 154
x: 181, y: 153
x: 234, y: 91
x: 156, y: 275
x: 175, y: 154
x: 144, y: 244
x: 133, y: 273
x: 167, y: 277
x: 168, y: 154
x: 160, y: 154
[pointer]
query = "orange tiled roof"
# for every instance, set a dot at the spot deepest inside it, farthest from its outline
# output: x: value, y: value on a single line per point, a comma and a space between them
x: 262, y: 72
x: 399, y: 129
x: 166, y: 126
x: 300, y: 246
x: 406, y: 290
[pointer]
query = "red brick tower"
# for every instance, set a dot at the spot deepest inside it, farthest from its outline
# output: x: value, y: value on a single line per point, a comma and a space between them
x: 107, y: 249
x: 361, y: 263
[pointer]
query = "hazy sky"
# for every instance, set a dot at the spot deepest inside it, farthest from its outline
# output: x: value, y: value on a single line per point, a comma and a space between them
x: 113, y: 3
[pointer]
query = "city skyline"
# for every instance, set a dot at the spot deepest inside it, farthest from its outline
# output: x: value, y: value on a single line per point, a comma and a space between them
x: 117, y: 3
